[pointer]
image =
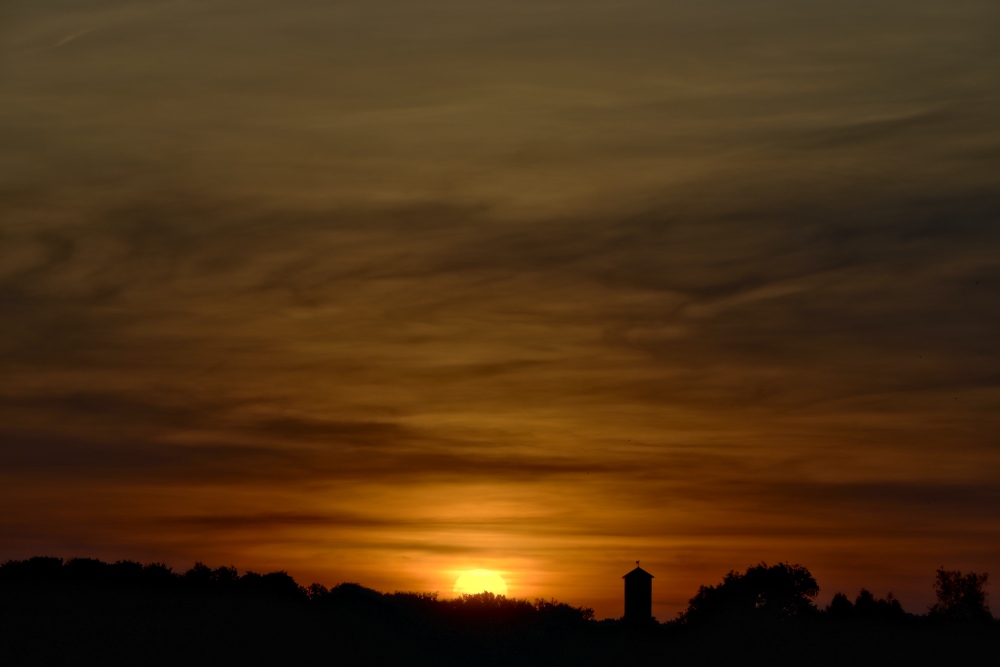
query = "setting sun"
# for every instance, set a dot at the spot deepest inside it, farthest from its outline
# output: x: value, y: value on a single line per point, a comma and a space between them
x: 478, y: 581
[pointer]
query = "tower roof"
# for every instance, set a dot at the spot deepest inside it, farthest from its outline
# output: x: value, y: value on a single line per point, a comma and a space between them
x: 637, y: 572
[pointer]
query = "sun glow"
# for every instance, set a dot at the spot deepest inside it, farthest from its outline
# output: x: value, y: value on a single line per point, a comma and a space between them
x: 477, y: 581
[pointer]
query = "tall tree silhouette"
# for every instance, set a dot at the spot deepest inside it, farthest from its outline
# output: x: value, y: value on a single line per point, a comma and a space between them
x: 961, y: 597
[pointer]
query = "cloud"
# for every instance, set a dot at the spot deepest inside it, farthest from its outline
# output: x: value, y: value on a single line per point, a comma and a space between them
x: 281, y: 520
x: 110, y: 437
x: 765, y: 308
x: 69, y: 38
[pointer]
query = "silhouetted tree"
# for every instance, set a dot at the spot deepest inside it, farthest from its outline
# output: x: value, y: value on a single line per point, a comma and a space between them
x: 359, y: 600
x: 36, y: 568
x: 764, y: 592
x: 866, y: 605
x: 961, y: 597
x: 226, y: 577
x: 86, y: 570
x: 892, y: 606
x: 316, y: 591
x: 558, y: 614
x: 840, y: 606
x: 490, y: 609
x: 282, y: 584
x: 127, y: 572
x: 350, y: 592
x: 158, y: 574
x: 199, y: 576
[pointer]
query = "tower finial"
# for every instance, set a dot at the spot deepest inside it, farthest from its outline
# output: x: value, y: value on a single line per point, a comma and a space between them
x: 637, y: 563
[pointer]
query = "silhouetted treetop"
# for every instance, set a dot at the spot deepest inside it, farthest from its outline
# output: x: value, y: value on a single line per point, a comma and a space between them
x: 763, y: 592
x: 961, y: 597
x: 840, y: 607
x: 866, y: 605
x: 198, y: 578
x: 32, y: 569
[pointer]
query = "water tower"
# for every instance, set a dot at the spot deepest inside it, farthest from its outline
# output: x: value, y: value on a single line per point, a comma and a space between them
x: 638, y: 596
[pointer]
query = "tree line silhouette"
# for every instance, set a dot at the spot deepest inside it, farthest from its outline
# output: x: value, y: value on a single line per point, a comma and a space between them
x: 783, y: 591
x: 85, y: 611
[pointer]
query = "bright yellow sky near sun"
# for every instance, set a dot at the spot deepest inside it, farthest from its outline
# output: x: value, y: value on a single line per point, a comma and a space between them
x: 394, y: 292
x: 474, y: 582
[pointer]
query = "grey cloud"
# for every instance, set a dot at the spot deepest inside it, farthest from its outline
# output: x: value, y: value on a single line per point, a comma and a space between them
x: 283, y: 460
x: 372, y: 520
x: 836, y: 285
x: 111, y: 408
x: 908, y: 127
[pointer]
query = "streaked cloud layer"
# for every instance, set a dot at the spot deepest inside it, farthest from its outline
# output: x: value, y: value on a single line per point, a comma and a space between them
x: 385, y: 291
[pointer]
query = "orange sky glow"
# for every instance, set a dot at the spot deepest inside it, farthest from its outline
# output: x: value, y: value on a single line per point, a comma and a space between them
x: 387, y: 292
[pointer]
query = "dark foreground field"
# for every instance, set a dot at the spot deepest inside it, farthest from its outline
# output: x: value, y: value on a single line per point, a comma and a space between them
x: 171, y: 620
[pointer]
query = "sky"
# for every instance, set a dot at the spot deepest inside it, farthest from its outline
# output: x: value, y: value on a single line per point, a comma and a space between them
x: 387, y: 291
